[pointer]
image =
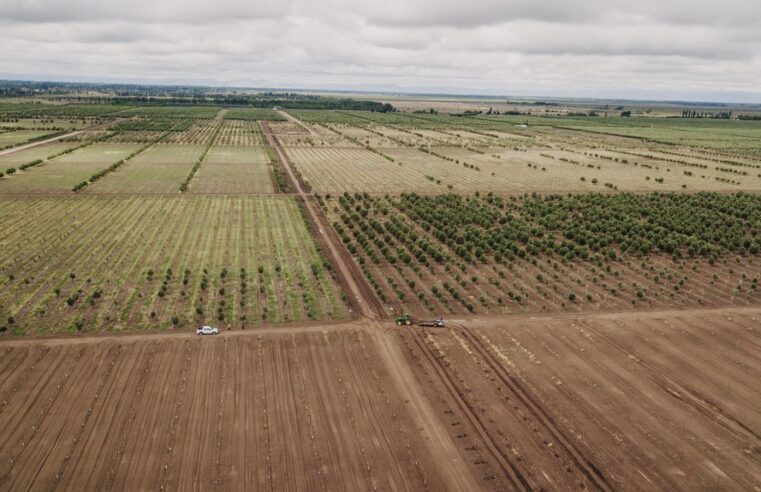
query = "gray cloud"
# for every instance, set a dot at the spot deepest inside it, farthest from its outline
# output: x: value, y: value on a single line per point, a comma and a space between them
x: 670, y: 49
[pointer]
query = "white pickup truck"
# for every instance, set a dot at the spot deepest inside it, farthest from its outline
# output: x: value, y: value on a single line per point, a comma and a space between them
x: 207, y: 330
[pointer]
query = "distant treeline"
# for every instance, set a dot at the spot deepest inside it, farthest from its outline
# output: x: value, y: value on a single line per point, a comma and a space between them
x: 126, y: 94
x: 257, y: 101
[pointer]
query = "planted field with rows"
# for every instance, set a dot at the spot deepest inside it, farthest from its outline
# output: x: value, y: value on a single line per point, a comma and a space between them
x: 179, y: 112
x: 488, y: 254
x: 159, y: 169
x: 61, y: 174
x: 485, y: 154
x: 337, y: 169
x: 660, y: 401
x: 311, y: 410
x: 233, y: 169
x: 113, y: 263
x: 239, y: 133
x: 251, y: 114
x: 19, y: 157
x: 12, y: 138
x: 52, y: 124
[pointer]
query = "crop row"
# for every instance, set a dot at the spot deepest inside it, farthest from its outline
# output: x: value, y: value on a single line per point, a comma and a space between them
x: 113, y: 167
x: 197, y: 165
x: 91, y: 263
x: 450, y: 253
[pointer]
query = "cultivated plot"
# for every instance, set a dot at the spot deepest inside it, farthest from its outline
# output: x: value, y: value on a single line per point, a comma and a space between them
x: 113, y: 263
x: 451, y: 255
x: 19, y: 157
x: 59, y: 175
x: 335, y: 170
x: 16, y: 137
x: 618, y: 402
x: 159, y: 169
x: 233, y: 169
x: 300, y: 411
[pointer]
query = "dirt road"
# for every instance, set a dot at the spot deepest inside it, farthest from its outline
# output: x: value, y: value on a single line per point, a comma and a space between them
x: 54, y: 139
x: 350, y: 276
x: 298, y: 122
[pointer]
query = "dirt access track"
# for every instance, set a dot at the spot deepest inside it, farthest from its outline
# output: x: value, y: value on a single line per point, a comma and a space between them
x: 659, y: 401
x: 349, y: 276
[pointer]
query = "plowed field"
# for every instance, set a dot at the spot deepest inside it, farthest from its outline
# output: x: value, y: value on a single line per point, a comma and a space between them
x: 306, y: 410
x: 660, y: 401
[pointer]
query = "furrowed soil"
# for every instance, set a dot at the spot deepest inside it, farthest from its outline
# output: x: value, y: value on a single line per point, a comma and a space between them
x: 629, y: 401
x: 296, y: 410
x: 660, y: 401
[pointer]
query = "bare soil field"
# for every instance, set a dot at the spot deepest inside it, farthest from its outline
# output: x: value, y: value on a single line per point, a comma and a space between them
x: 306, y: 410
x: 662, y: 401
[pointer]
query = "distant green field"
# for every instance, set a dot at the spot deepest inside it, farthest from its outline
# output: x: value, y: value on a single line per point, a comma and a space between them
x: 43, y: 124
x: 18, y: 137
x: 233, y: 169
x: 62, y: 173
x: 33, y: 153
x: 171, y: 112
x: 160, y: 169
x: 253, y: 114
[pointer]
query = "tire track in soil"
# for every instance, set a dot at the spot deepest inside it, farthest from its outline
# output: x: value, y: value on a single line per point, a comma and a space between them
x: 509, y: 470
x: 583, y: 462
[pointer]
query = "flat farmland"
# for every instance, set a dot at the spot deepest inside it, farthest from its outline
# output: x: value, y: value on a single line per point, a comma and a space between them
x: 59, y: 175
x: 32, y: 154
x: 453, y: 255
x: 659, y: 401
x: 334, y: 170
x: 233, y: 169
x: 234, y: 132
x: 16, y: 137
x: 43, y: 124
x: 159, y: 169
x: 489, y: 154
x: 112, y: 263
x: 306, y: 410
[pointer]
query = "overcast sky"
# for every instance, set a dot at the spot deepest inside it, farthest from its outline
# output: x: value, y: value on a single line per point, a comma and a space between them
x: 660, y: 49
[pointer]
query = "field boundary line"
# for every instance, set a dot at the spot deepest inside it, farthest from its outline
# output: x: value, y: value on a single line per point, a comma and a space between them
x: 367, y: 304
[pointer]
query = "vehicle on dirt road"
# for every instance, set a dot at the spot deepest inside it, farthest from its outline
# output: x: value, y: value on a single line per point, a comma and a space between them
x: 207, y: 330
x: 406, y: 319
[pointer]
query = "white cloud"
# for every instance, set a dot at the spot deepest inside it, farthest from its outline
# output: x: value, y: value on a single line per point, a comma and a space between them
x: 669, y: 49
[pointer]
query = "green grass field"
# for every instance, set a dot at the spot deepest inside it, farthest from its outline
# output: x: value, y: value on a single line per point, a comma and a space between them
x: 18, y: 137
x: 159, y: 169
x: 33, y: 153
x: 233, y: 169
x: 62, y: 173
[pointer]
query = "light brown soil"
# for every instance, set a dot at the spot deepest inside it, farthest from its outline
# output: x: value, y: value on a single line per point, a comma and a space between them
x: 661, y: 401
x: 299, y: 410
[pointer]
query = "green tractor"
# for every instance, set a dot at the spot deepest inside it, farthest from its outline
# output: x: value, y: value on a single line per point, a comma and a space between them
x: 404, y: 319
